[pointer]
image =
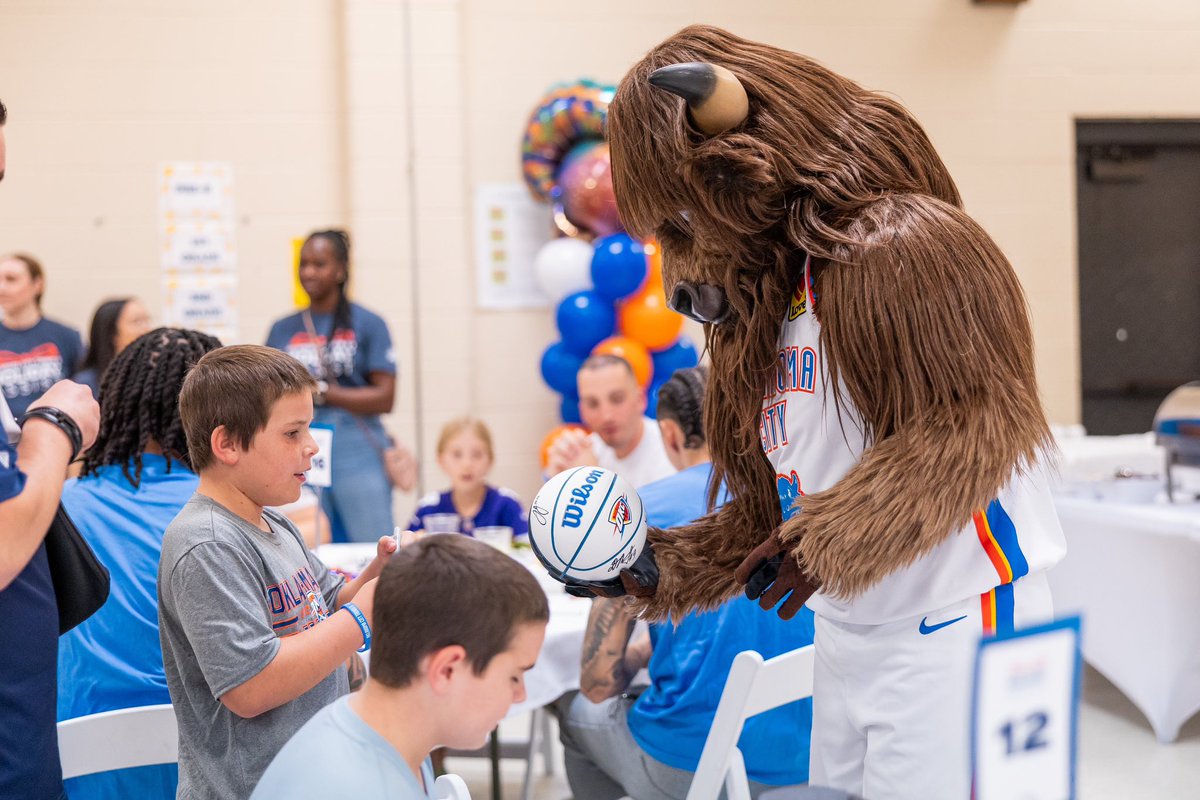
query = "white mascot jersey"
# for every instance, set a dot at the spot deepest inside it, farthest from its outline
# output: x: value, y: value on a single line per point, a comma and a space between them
x: 812, y: 442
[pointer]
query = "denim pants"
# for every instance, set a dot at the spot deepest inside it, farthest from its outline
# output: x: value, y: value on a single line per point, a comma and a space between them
x: 359, y: 503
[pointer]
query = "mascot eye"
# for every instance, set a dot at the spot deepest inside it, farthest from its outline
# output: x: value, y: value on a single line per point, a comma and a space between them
x: 677, y: 230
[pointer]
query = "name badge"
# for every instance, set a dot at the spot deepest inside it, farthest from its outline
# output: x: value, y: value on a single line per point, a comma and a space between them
x: 320, y: 474
x: 1025, y: 713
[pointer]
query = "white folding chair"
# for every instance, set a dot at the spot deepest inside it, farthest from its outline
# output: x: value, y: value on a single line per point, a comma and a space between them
x: 128, y: 737
x: 753, y: 686
x: 450, y: 787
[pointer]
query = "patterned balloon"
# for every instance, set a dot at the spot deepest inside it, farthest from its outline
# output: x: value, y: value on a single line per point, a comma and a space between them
x: 587, y: 190
x: 568, y: 115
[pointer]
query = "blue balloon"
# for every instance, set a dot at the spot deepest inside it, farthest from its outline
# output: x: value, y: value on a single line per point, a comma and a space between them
x: 680, y: 355
x: 559, y: 366
x: 585, y: 319
x: 619, y: 266
x: 652, y: 399
x: 569, y: 410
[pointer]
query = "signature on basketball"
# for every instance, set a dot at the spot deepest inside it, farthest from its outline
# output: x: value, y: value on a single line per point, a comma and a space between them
x: 539, y: 514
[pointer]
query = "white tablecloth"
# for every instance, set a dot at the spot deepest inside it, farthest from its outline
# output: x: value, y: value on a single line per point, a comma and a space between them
x: 1133, y: 570
x: 557, y: 668
x: 1084, y: 458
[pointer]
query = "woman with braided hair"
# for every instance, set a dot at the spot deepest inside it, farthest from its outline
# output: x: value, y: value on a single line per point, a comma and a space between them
x: 348, y: 349
x: 135, y: 480
x: 648, y: 747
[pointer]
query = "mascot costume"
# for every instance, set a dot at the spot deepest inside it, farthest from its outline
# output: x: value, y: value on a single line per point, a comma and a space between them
x: 872, y: 407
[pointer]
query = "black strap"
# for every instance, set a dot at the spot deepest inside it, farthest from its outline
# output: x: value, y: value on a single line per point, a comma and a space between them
x: 62, y: 421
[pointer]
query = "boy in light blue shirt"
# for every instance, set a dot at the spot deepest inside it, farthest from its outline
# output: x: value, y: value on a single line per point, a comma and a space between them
x: 445, y: 668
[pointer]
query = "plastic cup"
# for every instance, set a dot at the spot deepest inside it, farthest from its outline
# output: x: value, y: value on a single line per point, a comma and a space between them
x: 443, y: 523
x: 498, y: 536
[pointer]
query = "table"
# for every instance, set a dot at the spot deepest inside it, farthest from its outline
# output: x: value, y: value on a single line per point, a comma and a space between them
x: 557, y: 668
x: 1085, y: 458
x: 1133, y: 570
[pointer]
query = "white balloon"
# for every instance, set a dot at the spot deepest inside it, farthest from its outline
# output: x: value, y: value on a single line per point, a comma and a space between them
x: 563, y: 267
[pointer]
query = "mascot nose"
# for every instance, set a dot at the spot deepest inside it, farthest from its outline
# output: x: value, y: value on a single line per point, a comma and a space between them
x: 702, y: 302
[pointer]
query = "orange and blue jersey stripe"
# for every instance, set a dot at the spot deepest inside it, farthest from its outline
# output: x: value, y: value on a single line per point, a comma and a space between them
x: 998, y: 536
x: 998, y: 611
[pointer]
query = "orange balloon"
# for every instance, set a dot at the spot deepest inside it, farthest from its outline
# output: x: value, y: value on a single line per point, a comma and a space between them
x: 653, y: 262
x: 634, y: 353
x: 553, y: 435
x: 646, y: 318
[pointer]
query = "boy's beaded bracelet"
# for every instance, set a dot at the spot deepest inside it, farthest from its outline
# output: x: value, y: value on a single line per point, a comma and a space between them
x: 362, y: 625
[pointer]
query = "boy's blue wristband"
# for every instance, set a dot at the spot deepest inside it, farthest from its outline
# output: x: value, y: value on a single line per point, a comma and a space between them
x: 362, y: 625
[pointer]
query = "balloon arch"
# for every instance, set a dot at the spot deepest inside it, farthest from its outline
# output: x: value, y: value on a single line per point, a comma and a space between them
x: 608, y: 285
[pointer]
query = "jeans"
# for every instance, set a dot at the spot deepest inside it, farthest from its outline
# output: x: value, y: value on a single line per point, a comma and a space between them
x: 359, y: 503
x: 604, y: 761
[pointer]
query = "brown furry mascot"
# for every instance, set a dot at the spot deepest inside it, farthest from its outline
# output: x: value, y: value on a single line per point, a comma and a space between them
x: 871, y: 364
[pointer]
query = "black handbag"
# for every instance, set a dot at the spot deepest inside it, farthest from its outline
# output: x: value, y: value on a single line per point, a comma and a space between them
x: 80, y: 580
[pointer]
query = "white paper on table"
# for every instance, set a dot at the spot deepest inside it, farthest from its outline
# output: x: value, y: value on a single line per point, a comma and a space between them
x: 510, y: 229
x: 1025, y: 713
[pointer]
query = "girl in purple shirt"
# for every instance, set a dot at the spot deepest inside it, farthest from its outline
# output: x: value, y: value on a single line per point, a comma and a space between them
x: 465, y: 455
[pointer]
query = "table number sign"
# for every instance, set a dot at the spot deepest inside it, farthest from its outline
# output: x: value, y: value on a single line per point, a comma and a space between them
x: 1025, y: 713
x: 320, y: 474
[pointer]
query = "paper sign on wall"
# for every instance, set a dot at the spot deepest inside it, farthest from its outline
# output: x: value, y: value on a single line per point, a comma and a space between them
x: 510, y: 228
x: 196, y: 190
x: 199, y: 253
x: 1026, y: 710
x: 198, y: 246
x: 205, y: 303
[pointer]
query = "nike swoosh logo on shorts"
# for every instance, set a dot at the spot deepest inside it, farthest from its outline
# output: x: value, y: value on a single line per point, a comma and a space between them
x: 928, y: 629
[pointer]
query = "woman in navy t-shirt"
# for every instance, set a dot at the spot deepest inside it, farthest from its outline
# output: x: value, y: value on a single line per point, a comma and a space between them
x: 349, y: 351
x: 35, y: 352
x: 465, y: 454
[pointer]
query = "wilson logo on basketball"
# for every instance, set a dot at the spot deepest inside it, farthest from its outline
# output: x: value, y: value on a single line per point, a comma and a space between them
x: 619, y: 515
x: 573, y: 512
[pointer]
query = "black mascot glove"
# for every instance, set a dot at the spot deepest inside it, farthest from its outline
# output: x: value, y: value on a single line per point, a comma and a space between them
x: 770, y: 573
x: 639, y: 579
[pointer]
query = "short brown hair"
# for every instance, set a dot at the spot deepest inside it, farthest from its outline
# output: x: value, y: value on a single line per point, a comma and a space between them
x: 456, y: 426
x: 236, y: 387
x: 602, y: 360
x: 449, y: 589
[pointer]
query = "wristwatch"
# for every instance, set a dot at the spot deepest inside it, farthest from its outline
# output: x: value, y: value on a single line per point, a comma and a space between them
x: 319, y: 395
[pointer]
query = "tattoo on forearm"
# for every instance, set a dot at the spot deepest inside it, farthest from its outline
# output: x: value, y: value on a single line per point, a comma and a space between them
x: 604, y: 667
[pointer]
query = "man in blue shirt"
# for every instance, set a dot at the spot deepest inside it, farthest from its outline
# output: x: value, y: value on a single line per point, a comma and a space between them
x: 648, y: 747
x: 31, y: 478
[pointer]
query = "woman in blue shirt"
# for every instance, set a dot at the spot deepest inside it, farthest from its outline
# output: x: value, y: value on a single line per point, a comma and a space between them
x: 648, y: 747
x: 135, y: 480
x: 35, y: 352
x: 349, y: 351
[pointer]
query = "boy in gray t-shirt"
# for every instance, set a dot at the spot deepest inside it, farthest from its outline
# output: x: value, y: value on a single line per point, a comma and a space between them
x: 251, y: 642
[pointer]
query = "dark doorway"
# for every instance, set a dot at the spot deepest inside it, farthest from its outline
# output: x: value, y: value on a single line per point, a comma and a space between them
x: 1139, y: 267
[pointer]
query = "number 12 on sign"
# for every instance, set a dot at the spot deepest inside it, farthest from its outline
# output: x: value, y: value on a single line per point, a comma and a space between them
x: 1025, y: 714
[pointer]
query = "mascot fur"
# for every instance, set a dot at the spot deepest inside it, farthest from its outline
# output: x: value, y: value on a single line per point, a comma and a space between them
x: 747, y: 163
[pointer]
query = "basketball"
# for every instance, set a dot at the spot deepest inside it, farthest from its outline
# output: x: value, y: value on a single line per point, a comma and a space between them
x: 587, y: 523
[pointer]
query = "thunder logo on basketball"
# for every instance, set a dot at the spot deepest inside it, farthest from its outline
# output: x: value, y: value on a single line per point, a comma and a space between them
x: 619, y: 515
